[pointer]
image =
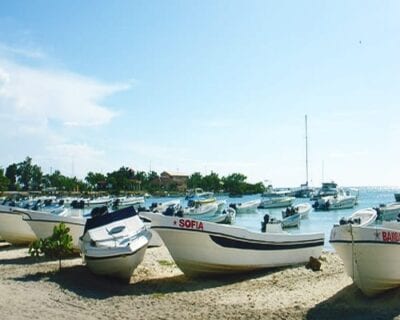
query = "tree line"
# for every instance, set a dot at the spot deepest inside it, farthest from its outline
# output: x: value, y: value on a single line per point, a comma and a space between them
x: 26, y: 176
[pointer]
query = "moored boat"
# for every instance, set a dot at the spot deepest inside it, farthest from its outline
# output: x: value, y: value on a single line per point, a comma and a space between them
x: 245, y: 207
x: 291, y: 218
x: 342, y: 200
x: 304, y: 209
x: 205, y: 248
x: 276, y: 202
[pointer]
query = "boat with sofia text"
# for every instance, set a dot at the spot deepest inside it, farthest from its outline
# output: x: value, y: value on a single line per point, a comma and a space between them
x: 204, y: 248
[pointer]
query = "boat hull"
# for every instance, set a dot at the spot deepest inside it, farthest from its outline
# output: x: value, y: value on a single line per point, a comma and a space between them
x: 43, y: 225
x: 234, y: 251
x: 370, y: 256
x: 276, y: 203
x: 120, y: 266
x: 14, y: 229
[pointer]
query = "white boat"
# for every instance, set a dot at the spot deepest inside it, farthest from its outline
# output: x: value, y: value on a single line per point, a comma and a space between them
x: 221, y: 205
x: 342, y: 200
x: 96, y: 202
x: 370, y: 251
x: 276, y: 202
x: 206, y: 248
x: 290, y: 218
x: 304, y: 209
x: 43, y: 223
x: 204, y: 209
x: 123, y: 202
x: 162, y: 206
x: 114, y: 244
x: 389, y: 211
x: 245, y: 207
x: 13, y: 228
x: 327, y: 189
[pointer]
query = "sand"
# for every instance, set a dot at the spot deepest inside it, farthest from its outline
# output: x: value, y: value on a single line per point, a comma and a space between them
x: 31, y: 289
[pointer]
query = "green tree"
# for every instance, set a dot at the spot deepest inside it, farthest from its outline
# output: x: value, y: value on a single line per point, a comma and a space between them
x: 235, y: 183
x: 152, y: 182
x: 211, y: 182
x: 195, y: 181
x: 121, y: 179
x: 37, y: 176
x: 4, y: 182
x: 57, y: 246
x: 94, y: 179
x: 11, y: 174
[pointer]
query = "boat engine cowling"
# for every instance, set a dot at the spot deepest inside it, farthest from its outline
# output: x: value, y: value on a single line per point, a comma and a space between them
x: 264, y: 223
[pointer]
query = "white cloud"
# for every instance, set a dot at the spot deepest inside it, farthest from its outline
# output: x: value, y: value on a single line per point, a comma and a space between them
x: 38, y: 106
x: 54, y: 94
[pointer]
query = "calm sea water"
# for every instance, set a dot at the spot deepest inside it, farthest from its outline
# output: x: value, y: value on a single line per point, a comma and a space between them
x: 321, y: 221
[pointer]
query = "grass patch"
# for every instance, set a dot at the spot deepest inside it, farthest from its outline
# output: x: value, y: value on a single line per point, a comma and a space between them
x: 166, y: 263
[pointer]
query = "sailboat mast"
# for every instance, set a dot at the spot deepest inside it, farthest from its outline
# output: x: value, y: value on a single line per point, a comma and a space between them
x: 306, y: 152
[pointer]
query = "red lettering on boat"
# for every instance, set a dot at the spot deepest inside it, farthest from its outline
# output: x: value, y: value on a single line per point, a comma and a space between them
x: 191, y: 224
x: 390, y: 236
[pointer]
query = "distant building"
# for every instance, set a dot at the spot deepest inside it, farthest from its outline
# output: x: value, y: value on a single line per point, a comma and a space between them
x: 174, y: 179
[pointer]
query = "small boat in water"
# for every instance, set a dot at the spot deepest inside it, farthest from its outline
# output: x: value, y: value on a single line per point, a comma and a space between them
x: 304, y: 209
x: 291, y: 218
x: 245, y: 207
x: 276, y: 202
x: 204, y: 248
x: 388, y: 212
x: 114, y: 244
x: 370, y: 251
x: 342, y: 200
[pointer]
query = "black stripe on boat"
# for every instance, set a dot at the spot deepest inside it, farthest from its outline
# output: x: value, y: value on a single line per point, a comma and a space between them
x: 363, y: 241
x: 249, y: 245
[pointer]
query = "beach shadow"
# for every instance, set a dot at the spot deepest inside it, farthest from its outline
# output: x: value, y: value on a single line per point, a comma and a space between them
x: 81, y: 281
x: 351, y: 303
x: 27, y: 259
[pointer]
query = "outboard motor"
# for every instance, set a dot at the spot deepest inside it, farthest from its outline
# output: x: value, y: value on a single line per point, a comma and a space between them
x: 74, y: 204
x: 153, y: 206
x: 233, y: 205
x: 169, y: 212
x: 116, y: 203
x: 191, y: 203
x: 378, y: 213
x: 343, y: 221
x: 264, y: 223
x: 47, y: 202
x: 98, y: 211
x: 81, y: 204
x: 398, y: 218
x: 179, y: 213
x: 61, y: 202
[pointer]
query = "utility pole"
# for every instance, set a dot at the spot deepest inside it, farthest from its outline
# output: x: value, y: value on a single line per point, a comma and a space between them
x: 306, y: 152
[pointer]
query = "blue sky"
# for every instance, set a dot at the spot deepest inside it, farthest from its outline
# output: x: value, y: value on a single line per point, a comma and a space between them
x: 203, y: 86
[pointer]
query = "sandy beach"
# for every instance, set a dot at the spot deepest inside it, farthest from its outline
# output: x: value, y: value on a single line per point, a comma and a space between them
x: 31, y: 289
